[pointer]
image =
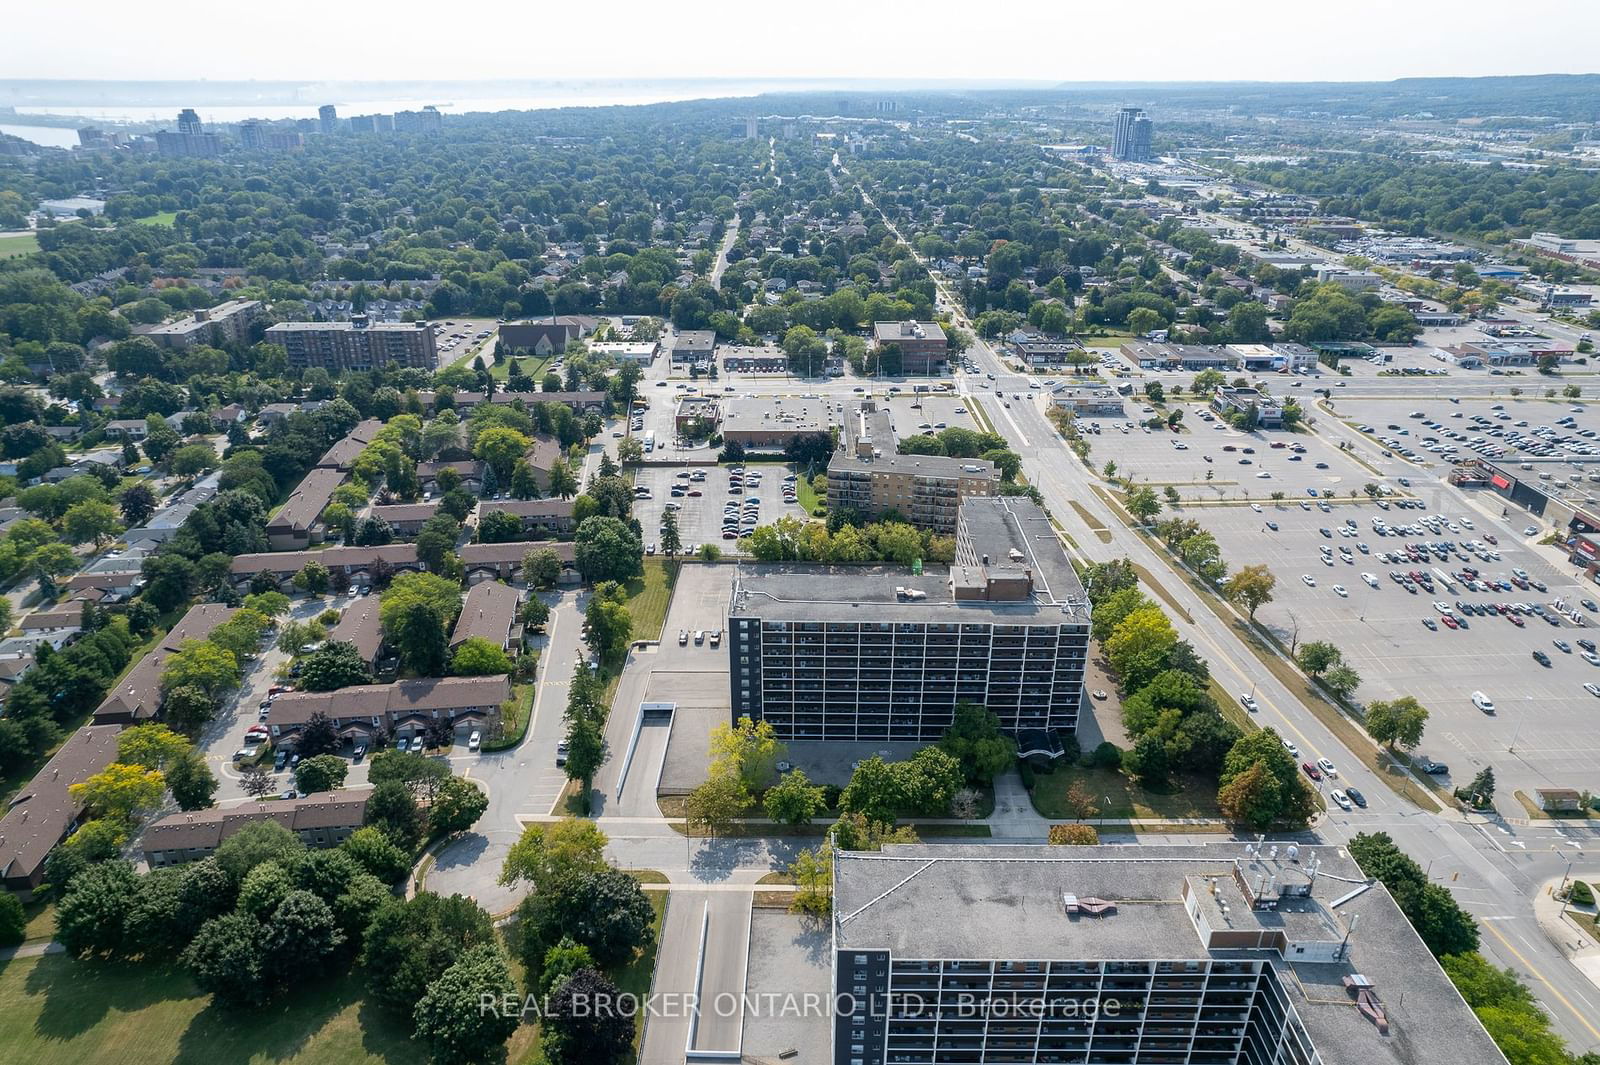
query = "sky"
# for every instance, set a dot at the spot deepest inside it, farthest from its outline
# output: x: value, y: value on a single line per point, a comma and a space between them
x: 1054, y: 40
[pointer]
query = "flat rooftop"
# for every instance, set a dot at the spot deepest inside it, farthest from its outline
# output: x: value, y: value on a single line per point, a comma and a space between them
x: 871, y: 595
x: 755, y: 414
x: 1009, y: 899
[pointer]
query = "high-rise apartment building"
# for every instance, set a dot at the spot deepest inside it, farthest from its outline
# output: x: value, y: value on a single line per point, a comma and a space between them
x: 189, y: 121
x: 191, y: 140
x: 868, y: 474
x: 357, y: 344
x: 1215, y: 954
x: 327, y: 119
x: 885, y: 653
x: 1130, y: 136
x: 428, y: 120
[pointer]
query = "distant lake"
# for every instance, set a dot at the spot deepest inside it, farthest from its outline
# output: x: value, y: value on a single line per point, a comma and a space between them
x: 578, y: 95
x: 49, y: 136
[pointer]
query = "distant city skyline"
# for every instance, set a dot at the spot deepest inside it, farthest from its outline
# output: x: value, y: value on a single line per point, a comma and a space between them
x: 1163, y: 40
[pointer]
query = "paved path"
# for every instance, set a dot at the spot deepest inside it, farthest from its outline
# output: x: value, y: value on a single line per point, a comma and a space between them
x: 1014, y: 816
x: 32, y: 950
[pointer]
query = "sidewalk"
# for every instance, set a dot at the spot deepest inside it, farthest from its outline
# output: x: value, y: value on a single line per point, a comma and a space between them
x: 1580, y: 948
x: 32, y: 950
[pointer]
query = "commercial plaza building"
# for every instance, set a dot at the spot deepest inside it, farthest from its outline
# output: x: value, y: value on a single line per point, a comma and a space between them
x: 868, y: 474
x: 880, y: 653
x: 357, y: 344
x: 1214, y: 954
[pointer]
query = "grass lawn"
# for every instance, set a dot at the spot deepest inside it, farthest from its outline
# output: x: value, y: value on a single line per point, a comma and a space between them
x: 18, y: 244
x: 164, y: 218
x: 635, y: 977
x: 1119, y: 797
x: 807, y: 496
x: 516, y: 722
x: 650, y: 595
x: 532, y: 369
x: 56, y: 1011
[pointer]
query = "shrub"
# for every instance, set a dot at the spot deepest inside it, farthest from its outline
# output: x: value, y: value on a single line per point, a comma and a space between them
x: 1106, y: 756
x: 13, y: 923
x: 1025, y: 771
x: 1074, y: 835
x: 1579, y: 894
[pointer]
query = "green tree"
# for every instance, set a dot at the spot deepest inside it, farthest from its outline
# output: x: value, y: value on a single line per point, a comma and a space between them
x: 90, y: 520
x: 228, y: 960
x: 1250, y: 587
x: 586, y: 750
x: 410, y: 944
x: 138, y: 503
x: 335, y: 665
x: 13, y: 922
x: 421, y: 640
x: 671, y: 543
x: 605, y: 910
x: 90, y: 918
x: 573, y: 1031
x: 1140, y: 647
x: 749, y: 749
x: 392, y: 810
x: 313, y: 579
x: 718, y: 802
x: 374, y: 852
x: 1441, y: 922
x: 1397, y: 722
x: 450, y: 1016
x: 607, y: 625
x: 563, y: 482
x: 546, y: 853
x: 875, y: 791
x: 1318, y: 656
x: 501, y: 448
x: 325, y: 772
x: 409, y: 589
x: 812, y: 871
x: 541, y: 568
x: 120, y: 791
x: 1342, y: 680
x: 794, y: 800
x: 152, y: 746
x: 457, y: 807
x: 974, y: 739
x: 605, y: 549
x: 191, y: 782
x: 1256, y: 803
x: 478, y: 657
x: 1143, y: 504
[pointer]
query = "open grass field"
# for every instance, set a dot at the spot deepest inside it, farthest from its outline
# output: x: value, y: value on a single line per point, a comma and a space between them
x: 532, y: 368
x: 18, y: 244
x: 650, y: 595
x: 1119, y: 797
x: 807, y: 496
x: 164, y: 218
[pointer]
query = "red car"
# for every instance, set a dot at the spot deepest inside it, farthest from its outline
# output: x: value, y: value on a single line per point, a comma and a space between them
x: 279, y: 689
x: 1517, y: 621
x: 1311, y: 770
x: 1449, y: 621
x: 1491, y: 538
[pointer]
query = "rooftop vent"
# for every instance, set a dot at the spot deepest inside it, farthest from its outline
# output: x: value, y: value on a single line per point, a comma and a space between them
x: 1087, y: 906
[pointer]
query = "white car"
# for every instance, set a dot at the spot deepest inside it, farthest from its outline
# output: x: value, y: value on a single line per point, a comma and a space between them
x: 1483, y: 702
x: 1370, y: 579
x: 1308, y: 580
x: 475, y: 740
x: 1248, y: 702
x: 1288, y: 745
x: 1256, y: 507
x: 1592, y: 688
x: 1338, y: 589
x: 1529, y: 531
x: 1342, y: 799
x: 1327, y: 767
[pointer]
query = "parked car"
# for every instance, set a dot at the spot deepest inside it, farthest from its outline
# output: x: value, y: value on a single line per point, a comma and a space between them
x: 475, y: 740
x: 416, y: 744
x: 561, y: 754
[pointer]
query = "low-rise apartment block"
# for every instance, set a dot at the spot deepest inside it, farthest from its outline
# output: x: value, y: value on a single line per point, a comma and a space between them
x: 883, y: 653
x: 322, y: 820
x: 869, y: 475
x: 226, y: 323
x: 547, y: 517
x: 490, y: 612
x: 298, y: 524
x: 137, y: 696
x: 358, y: 344
x: 43, y: 812
x: 401, y: 710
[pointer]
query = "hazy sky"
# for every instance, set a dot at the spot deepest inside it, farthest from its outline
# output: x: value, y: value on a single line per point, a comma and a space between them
x: 1068, y: 40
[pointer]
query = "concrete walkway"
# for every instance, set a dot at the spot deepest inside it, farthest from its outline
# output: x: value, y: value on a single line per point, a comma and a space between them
x: 1014, y: 816
x: 1561, y: 928
x: 32, y: 950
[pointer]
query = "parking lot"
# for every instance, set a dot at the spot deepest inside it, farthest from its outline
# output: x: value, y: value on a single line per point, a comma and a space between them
x: 1511, y: 428
x: 704, y: 506
x: 1541, y: 732
x: 1213, y: 462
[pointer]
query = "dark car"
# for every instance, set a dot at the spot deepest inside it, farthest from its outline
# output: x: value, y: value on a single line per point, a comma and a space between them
x: 1356, y: 797
x: 1432, y: 768
x: 1589, y: 604
x: 1542, y: 658
x: 1326, y: 532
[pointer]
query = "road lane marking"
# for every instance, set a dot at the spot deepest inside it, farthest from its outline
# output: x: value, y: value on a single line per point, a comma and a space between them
x: 1537, y: 975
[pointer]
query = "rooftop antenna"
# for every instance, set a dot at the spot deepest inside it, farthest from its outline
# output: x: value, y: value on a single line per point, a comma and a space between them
x: 1274, y: 852
x: 1294, y: 852
x: 1250, y: 849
